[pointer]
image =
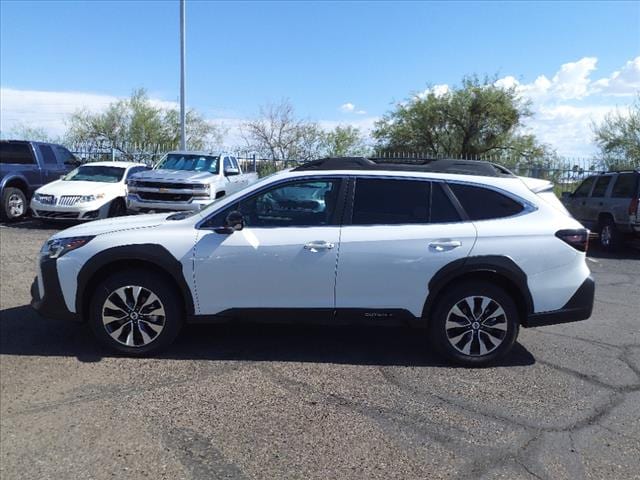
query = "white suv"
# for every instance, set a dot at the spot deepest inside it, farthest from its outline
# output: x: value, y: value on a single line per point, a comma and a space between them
x: 464, y: 249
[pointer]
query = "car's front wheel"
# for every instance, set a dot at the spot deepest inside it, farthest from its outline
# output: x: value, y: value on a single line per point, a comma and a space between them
x: 14, y: 204
x: 474, y: 323
x: 135, y: 312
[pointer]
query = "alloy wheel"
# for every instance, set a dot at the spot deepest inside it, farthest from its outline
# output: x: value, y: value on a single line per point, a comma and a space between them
x: 605, y: 235
x: 476, y: 325
x: 16, y: 205
x: 133, y: 316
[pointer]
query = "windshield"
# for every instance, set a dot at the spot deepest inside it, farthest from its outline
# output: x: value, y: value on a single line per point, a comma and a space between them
x: 95, y: 173
x: 191, y: 163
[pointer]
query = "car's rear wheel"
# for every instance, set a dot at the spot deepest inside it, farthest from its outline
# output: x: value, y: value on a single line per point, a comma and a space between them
x: 135, y: 312
x: 474, y: 324
x: 609, y: 235
x: 14, y: 204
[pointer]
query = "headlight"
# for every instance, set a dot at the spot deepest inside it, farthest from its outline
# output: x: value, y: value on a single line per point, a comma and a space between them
x: 37, y: 197
x: 205, y: 191
x: 59, y: 246
x: 90, y: 198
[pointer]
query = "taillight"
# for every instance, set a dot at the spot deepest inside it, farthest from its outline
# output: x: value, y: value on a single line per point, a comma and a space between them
x: 633, y: 207
x: 578, y: 239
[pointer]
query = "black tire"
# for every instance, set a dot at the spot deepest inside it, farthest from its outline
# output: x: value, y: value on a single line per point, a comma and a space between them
x: 610, y: 237
x: 118, y: 208
x: 440, y: 331
x: 149, y: 319
x: 14, y: 204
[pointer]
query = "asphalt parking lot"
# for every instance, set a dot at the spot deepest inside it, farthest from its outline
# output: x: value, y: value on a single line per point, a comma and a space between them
x: 267, y: 402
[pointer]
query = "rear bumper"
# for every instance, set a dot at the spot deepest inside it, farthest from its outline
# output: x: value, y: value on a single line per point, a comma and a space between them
x: 579, y: 307
x: 50, y: 303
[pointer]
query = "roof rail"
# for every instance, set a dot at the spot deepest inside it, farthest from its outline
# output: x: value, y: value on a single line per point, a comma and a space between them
x: 462, y: 167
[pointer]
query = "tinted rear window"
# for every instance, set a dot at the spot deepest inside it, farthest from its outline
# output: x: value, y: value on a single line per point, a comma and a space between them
x: 442, y: 210
x: 626, y: 186
x: 601, y: 186
x: 17, y: 153
x: 390, y: 202
x: 484, y: 204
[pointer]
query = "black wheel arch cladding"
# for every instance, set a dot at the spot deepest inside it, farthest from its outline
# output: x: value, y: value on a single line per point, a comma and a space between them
x: 148, y: 253
x: 488, y: 264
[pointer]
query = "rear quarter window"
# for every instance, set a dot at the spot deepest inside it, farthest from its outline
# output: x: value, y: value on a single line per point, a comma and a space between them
x: 626, y: 186
x: 484, y: 204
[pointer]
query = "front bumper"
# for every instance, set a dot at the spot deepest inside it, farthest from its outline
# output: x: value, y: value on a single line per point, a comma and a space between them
x: 86, y: 211
x: 135, y: 203
x: 50, y: 303
x: 579, y: 307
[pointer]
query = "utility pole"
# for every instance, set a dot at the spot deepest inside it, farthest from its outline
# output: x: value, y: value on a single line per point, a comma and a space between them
x: 183, y: 130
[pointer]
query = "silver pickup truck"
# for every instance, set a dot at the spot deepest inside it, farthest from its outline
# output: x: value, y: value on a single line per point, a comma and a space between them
x: 186, y: 181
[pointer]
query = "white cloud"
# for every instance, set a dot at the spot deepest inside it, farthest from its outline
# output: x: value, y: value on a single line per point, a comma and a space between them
x: 624, y: 82
x: 47, y: 110
x: 50, y: 110
x: 347, y: 107
x: 351, y: 108
x: 565, y: 106
x: 437, y: 90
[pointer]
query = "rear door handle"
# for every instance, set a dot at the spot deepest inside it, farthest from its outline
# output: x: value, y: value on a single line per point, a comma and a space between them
x: 444, y: 245
x: 318, y: 245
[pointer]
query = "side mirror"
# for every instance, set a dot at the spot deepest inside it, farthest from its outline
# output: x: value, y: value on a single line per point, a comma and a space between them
x: 230, y: 171
x: 233, y: 223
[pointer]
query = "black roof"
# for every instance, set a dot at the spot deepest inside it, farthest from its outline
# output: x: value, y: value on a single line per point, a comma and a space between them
x: 464, y: 167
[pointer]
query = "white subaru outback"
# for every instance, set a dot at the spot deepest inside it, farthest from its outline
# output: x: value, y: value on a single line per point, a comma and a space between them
x: 464, y: 249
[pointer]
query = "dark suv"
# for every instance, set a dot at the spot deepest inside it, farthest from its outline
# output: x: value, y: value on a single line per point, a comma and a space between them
x: 608, y: 204
x: 26, y: 166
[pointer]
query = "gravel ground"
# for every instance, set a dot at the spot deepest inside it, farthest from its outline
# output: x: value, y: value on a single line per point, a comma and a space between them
x: 289, y: 402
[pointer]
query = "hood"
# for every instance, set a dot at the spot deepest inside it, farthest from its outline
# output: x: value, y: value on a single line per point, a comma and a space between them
x: 63, y: 187
x: 109, y: 225
x: 174, y: 176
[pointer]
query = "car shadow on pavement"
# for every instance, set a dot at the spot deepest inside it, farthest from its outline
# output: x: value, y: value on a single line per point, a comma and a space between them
x: 25, y: 333
x: 35, y: 224
x: 626, y: 252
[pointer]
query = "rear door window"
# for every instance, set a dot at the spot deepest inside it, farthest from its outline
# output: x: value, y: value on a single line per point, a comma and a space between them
x: 391, y: 202
x: 16, y: 153
x: 48, y: 156
x: 601, y: 185
x: 442, y: 210
x: 585, y: 187
x: 485, y: 204
x: 626, y: 186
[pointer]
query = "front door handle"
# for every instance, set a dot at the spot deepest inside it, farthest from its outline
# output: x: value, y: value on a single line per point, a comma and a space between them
x: 318, y: 245
x: 444, y: 245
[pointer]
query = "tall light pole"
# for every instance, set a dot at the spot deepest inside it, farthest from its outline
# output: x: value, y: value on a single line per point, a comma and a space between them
x: 183, y: 130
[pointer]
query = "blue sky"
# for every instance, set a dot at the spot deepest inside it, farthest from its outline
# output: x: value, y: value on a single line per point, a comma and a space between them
x: 359, y: 55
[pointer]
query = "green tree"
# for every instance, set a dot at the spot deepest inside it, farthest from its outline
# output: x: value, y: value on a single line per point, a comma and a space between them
x: 479, y: 118
x: 344, y: 141
x: 618, y: 137
x: 136, y: 122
